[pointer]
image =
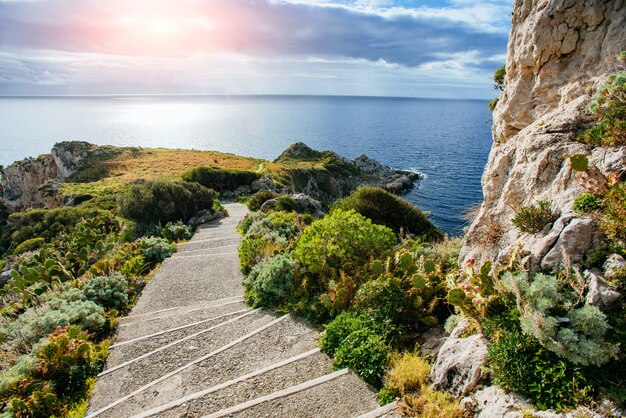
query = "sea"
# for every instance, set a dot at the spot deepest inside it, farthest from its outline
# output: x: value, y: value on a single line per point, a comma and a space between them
x: 448, y: 141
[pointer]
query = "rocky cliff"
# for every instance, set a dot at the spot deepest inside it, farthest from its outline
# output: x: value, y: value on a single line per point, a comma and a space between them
x: 559, y: 53
x: 33, y: 182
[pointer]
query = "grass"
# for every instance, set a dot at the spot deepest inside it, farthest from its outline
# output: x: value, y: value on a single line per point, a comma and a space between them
x: 408, y: 372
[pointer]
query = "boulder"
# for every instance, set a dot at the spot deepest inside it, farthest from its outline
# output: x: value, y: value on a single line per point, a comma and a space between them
x: 268, y: 206
x: 575, y: 240
x: 205, y: 216
x: 460, y: 362
x: 493, y: 401
x: 5, y: 276
x: 613, y: 265
x: 599, y: 294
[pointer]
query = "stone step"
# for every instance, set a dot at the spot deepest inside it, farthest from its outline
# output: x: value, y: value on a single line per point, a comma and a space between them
x: 135, y: 347
x: 118, y: 380
x: 339, y: 394
x: 286, y: 338
x: 191, y: 281
x: 224, y: 249
x: 278, y: 376
x: 182, y: 316
x: 386, y: 411
x: 209, y: 243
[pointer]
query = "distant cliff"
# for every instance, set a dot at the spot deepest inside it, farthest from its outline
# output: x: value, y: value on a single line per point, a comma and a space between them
x: 559, y: 53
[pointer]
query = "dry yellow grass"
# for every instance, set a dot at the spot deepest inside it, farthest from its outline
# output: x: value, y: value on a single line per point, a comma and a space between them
x: 408, y: 372
x: 431, y: 404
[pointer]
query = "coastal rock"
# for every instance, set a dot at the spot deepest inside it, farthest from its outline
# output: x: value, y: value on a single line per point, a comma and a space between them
x: 302, y: 203
x: 460, y: 361
x: 599, y: 294
x: 5, y: 276
x: 613, y: 265
x: 493, y: 401
x: 430, y: 342
x: 559, y: 53
x: 205, y: 216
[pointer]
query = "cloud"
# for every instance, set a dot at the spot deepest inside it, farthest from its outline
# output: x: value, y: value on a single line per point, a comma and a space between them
x: 67, y: 42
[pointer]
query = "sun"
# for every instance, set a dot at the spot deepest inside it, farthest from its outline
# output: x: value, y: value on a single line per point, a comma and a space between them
x: 150, y: 25
x: 160, y: 27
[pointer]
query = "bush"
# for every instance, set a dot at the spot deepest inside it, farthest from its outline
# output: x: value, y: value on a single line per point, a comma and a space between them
x: 156, y: 249
x: 384, y: 298
x: 387, y: 209
x: 338, y: 330
x: 111, y: 292
x: 135, y: 266
x: 161, y: 201
x: 587, y: 203
x: 266, y: 236
x: 220, y: 179
x: 551, y: 313
x: 343, y: 240
x: 255, y: 201
x: 176, y: 231
x: 519, y: 364
x: 534, y: 218
x: 365, y: 351
x: 498, y: 78
x: 614, y: 222
x: 493, y: 103
x: 269, y: 282
x: 609, y: 106
x: 49, y: 224
x: 29, y: 245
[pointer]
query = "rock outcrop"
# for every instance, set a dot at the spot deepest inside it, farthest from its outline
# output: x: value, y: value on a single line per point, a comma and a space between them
x: 559, y: 52
x: 33, y: 182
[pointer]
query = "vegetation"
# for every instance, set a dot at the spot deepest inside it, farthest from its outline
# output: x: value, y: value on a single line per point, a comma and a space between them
x: 609, y: 107
x: 498, y: 78
x: 534, y: 218
x: 220, y: 179
x: 587, y: 203
x: 162, y: 201
x: 255, y: 201
x: 614, y: 205
x: 387, y: 209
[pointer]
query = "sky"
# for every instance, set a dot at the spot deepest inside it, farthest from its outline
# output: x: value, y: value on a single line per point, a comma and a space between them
x: 411, y: 48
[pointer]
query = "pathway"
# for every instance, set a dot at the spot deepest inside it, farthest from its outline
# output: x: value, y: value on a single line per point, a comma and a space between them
x: 192, y: 348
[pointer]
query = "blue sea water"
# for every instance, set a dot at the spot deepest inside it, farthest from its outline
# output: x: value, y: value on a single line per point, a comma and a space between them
x: 447, y: 140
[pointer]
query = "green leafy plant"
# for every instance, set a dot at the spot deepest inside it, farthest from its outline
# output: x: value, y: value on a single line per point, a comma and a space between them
x: 156, y: 249
x: 498, y: 78
x: 493, y: 103
x: 29, y: 245
x: 161, y: 201
x: 387, y: 209
x: 110, y: 292
x: 135, y: 266
x: 587, y: 203
x: 255, y: 201
x: 365, y: 351
x: 534, y: 218
x: 270, y: 282
x: 609, y: 106
x: 552, y: 312
x: 176, y: 231
x: 614, y: 204
x: 220, y: 179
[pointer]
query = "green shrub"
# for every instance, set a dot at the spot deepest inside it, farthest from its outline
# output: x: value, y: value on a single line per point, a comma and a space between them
x: 384, y: 298
x: 111, y: 292
x: 265, y: 236
x: 341, y: 241
x: 156, y: 249
x: 493, y: 103
x: 338, y: 330
x: 614, y: 222
x: 161, y: 201
x: 498, y: 78
x: 255, y: 201
x: 534, y: 218
x: 220, y: 179
x: 387, y: 209
x: 49, y: 224
x: 587, y: 203
x: 609, y: 106
x: 270, y: 282
x: 552, y: 313
x: 519, y: 364
x: 176, y: 231
x: 366, y: 352
x: 29, y: 245
x: 134, y: 266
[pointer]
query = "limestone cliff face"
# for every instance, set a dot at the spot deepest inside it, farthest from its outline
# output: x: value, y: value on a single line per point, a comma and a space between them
x: 559, y: 52
x: 33, y: 182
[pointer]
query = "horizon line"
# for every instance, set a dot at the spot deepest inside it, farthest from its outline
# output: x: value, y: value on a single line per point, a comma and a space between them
x: 113, y: 95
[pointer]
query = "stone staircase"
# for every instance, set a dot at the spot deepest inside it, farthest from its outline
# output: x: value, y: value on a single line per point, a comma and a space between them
x: 192, y: 348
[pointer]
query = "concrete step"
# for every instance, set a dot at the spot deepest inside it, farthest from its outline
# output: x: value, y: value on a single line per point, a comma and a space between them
x: 123, y: 378
x: 191, y: 281
x: 131, y: 348
x: 288, y: 337
x: 339, y: 394
x: 149, y: 324
x: 211, y: 243
x: 279, y: 376
x: 387, y: 411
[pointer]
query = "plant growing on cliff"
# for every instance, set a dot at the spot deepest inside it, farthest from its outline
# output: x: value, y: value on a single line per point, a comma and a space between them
x: 609, y: 106
x: 534, y: 218
x: 587, y: 203
x: 552, y: 311
x: 614, y: 204
x: 498, y: 78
